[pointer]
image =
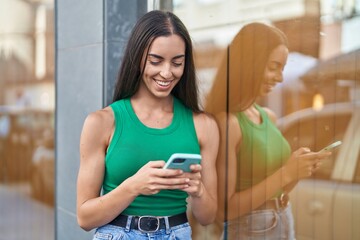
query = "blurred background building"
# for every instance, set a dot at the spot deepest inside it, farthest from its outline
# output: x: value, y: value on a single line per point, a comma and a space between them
x: 80, y: 44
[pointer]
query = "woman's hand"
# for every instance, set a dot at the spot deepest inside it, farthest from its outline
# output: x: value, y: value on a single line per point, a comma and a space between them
x: 151, y: 178
x: 303, y: 163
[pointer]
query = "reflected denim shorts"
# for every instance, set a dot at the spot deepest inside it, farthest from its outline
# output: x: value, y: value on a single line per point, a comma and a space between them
x: 269, y: 224
x: 111, y: 232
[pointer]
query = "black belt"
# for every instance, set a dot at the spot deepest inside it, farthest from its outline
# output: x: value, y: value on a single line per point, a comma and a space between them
x: 149, y: 223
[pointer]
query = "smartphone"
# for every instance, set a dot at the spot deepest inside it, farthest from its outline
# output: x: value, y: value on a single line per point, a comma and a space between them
x: 331, y: 146
x: 182, y: 161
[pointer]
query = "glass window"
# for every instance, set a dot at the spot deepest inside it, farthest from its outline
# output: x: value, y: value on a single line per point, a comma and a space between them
x: 314, y: 103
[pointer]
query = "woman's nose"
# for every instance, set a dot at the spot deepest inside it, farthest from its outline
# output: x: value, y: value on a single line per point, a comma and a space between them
x: 279, y: 77
x: 166, y: 72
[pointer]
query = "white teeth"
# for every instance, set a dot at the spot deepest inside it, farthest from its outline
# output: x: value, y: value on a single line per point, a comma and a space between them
x: 163, y: 83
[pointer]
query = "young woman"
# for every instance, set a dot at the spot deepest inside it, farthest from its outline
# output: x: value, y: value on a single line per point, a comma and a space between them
x: 256, y: 168
x: 124, y: 146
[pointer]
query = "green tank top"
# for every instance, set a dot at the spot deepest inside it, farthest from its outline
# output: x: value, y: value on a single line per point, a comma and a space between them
x: 263, y: 150
x: 134, y: 144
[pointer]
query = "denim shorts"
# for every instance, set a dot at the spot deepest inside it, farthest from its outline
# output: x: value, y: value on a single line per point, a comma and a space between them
x: 111, y: 232
x: 269, y: 224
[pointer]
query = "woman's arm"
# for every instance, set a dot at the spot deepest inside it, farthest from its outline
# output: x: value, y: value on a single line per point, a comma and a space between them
x: 94, y: 210
x: 204, y: 198
x: 240, y: 203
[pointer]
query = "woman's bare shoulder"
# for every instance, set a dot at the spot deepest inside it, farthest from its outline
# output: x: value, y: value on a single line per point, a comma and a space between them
x: 226, y: 119
x: 99, y: 125
x: 102, y: 117
x: 206, y: 127
x: 229, y: 126
x: 205, y: 119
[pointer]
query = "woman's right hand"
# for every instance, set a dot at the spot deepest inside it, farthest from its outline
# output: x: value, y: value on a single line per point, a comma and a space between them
x: 151, y: 178
x: 303, y: 163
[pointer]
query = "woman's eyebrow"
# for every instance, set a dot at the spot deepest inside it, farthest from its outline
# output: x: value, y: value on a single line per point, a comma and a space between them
x: 155, y: 56
x: 179, y: 56
x: 160, y: 57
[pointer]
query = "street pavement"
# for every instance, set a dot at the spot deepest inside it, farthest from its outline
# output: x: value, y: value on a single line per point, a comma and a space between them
x: 23, y: 218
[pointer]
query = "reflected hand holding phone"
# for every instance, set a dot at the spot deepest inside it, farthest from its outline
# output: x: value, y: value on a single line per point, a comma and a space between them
x: 331, y: 146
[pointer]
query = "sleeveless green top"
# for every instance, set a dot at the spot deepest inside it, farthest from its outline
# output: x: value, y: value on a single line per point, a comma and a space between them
x: 134, y: 144
x: 263, y: 150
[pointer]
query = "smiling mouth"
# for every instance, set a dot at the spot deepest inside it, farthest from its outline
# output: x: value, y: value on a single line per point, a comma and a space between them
x: 163, y: 83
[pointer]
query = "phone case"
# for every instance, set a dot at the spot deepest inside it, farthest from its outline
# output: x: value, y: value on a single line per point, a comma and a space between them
x: 182, y: 161
x: 331, y: 146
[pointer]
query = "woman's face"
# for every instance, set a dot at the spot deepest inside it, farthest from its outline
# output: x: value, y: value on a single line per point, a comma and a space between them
x: 274, y: 68
x: 164, y: 65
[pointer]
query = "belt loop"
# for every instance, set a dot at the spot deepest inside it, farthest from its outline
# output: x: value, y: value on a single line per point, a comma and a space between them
x: 167, y: 225
x: 128, y: 223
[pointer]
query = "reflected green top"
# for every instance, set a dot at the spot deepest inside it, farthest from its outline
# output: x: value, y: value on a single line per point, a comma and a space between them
x: 134, y: 144
x: 263, y: 150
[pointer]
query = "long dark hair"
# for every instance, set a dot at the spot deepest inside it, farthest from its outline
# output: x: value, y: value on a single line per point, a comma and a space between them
x: 150, y: 26
x: 241, y: 73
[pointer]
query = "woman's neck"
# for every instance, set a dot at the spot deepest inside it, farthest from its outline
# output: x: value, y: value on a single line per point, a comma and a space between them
x: 153, y: 112
x: 253, y: 114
